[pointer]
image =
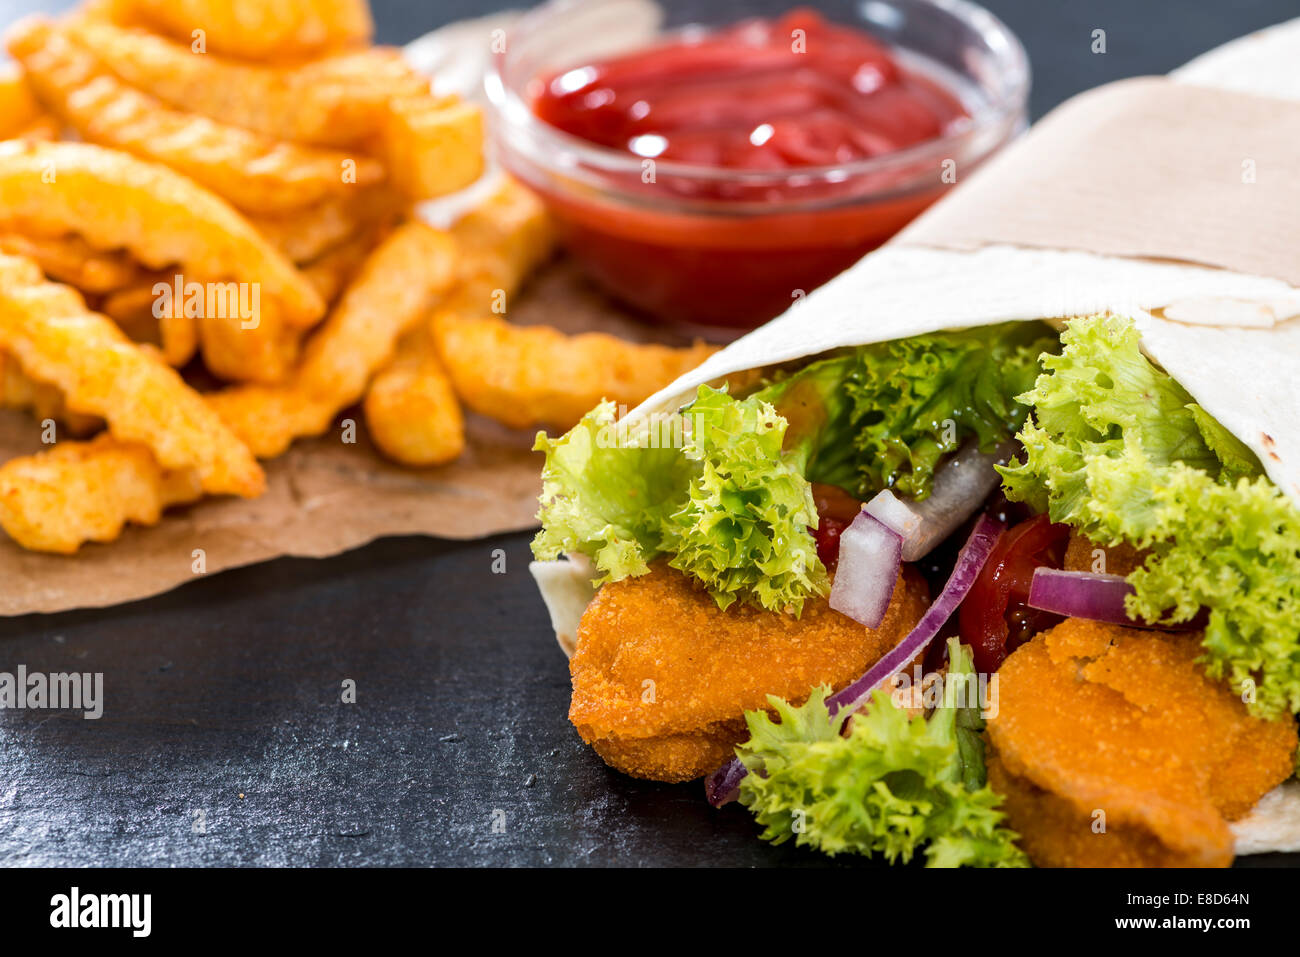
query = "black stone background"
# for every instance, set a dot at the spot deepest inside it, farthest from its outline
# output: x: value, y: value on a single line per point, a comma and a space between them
x: 223, y: 696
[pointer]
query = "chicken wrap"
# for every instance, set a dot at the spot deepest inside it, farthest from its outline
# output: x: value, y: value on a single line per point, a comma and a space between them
x: 989, y: 549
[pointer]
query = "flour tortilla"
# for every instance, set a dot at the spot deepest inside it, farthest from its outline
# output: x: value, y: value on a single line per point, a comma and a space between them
x: 1231, y: 339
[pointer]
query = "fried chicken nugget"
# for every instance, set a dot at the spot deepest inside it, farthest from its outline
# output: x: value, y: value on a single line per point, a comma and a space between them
x: 159, y: 217
x: 536, y: 375
x: 338, y: 102
x: 252, y: 171
x: 662, y: 676
x: 432, y: 147
x: 260, y: 30
x: 392, y: 291
x: 58, y: 341
x: 70, y: 259
x: 77, y: 492
x: 1100, y: 718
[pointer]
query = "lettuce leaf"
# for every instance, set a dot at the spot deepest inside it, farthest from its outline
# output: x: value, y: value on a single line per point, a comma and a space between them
x: 1119, y: 450
x: 892, y: 785
x: 730, y: 503
x: 607, y: 495
x: 884, y: 415
x: 718, y: 498
x: 743, y: 531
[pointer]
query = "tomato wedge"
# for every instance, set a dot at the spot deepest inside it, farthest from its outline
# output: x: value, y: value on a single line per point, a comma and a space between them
x: 996, y: 618
x: 836, y: 510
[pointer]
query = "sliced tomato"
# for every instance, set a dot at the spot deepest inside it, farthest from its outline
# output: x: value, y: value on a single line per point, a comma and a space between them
x: 996, y: 618
x: 836, y: 510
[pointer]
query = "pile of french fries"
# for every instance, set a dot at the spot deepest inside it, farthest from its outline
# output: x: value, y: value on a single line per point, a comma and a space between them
x: 207, y: 251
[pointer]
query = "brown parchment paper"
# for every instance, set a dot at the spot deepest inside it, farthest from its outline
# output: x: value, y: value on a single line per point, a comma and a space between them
x: 323, y: 497
x: 1146, y: 167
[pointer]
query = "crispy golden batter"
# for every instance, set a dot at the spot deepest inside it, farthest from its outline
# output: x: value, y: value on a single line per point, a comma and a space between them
x: 71, y: 259
x: 161, y: 218
x: 79, y: 492
x: 1095, y: 717
x: 338, y: 101
x: 537, y: 375
x: 394, y: 288
x: 249, y: 169
x: 1085, y: 555
x: 432, y: 147
x: 58, y: 341
x: 662, y: 676
x: 262, y: 30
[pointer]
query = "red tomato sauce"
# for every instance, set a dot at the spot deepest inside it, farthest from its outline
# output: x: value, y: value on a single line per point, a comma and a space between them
x: 760, y: 95
x: 775, y: 96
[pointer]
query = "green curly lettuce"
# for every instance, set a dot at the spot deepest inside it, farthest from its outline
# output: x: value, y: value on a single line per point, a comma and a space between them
x: 743, y: 530
x: 891, y: 785
x: 885, y: 415
x: 730, y: 504
x: 1119, y: 450
x: 606, y: 494
x: 718, y: 498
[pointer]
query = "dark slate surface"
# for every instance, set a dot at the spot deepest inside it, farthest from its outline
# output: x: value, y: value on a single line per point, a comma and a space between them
x: 224, y: 740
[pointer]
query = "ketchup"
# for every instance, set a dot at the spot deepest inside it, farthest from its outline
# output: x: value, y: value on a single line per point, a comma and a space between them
x: 760, y: 95
x: 758, y: 102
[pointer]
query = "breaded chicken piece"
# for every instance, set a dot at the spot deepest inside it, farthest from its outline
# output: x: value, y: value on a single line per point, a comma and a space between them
x: 662, y: 676
x: 1084, y: 555
x: 1095, y: 718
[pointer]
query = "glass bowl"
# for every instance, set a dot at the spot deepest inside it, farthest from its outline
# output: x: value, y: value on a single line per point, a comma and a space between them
x: 719, y: 250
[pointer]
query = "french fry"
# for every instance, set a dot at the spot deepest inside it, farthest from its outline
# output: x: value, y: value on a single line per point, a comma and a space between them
x: 18, y: 391
x: 391, y: 293
x: 261, y: 30
x: 77, y: 492
x: 306, y: 234
x: 70, y: 259
x: 502, y: 240
x: 174, y: 332
x: 265, y: 353
x: 333, y: 270
x: 56, y: 340
x: 536, y: 375
x: 432, y: 147
x: 337, y: 102
x: 411, y: 409
x: 252, y: 171
x: 43, y: 187
x: 159, y: 217
x: 18, y: 107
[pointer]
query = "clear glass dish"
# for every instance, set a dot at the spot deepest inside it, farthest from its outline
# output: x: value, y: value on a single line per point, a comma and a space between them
x: 721, y: 248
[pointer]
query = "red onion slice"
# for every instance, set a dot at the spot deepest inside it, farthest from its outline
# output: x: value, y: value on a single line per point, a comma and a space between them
x: 1081, y: 595
x: 723, y: 784
x: 871, y: 555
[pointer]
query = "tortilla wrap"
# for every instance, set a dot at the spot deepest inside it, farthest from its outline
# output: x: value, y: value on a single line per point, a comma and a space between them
x: 1230, y: 336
